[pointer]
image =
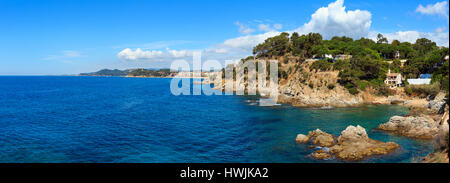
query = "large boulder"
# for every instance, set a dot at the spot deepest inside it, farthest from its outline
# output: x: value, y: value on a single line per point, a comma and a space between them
x: 437, y: 105
x: 321, y: 138
x: 353, y: 134
x: 353, y: 145
x: 302, y: 138
x: 317, y: 137
x: 422, y: 127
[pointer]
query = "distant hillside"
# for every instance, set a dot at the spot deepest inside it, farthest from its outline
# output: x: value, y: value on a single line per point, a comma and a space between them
x: 151, y: 73
x: 107, y: 72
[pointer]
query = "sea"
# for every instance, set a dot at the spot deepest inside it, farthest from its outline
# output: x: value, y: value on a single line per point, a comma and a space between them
x: 68, y: 119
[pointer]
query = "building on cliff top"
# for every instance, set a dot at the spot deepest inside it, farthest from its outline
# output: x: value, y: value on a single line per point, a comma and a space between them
x: 397, y: 55
x: 393, y: 80
x: 342, y: 57
x: 402, y: 62
x: 424, y: 79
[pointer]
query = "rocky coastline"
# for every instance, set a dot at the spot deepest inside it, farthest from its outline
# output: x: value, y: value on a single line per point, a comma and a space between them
x: 306, y: 88
x: 352, y: 145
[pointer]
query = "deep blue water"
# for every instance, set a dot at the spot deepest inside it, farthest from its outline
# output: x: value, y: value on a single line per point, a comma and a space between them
x: 114, y: 119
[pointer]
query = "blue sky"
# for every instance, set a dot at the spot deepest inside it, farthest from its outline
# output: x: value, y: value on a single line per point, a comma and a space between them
x: 71, y: 36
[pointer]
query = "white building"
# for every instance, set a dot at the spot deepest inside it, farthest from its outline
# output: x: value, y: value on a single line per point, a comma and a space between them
x: 393, y: 80
x: 397, y: 55
x: 424, y: 79
x: 342, y: 57
x: 327, y: 56
x: 419, y: 81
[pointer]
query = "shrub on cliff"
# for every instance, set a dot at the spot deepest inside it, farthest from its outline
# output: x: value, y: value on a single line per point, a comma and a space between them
x: 423, y: 90
x: 384, y: 91
x: 321, y: 65
x: 330, y: 86
x: 282, y: 74
x: 351, y: 89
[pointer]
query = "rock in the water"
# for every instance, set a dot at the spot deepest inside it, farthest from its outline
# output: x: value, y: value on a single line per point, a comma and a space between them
x: 302, y: 138
x: 321, y: 155
x: 321, y: 138
x: 353, y: 144
x: 423, y: 127
x: 351, y: 134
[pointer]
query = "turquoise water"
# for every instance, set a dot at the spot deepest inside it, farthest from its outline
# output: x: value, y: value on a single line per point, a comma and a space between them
x: 115, y: 119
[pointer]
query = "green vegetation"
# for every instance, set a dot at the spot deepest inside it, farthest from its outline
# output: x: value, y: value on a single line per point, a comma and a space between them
x: 423, y: 90
x: 107, y: 72
x: 331, y: 86
x: 321, y: 65
x: 150, y: 73
x: 368, y: 66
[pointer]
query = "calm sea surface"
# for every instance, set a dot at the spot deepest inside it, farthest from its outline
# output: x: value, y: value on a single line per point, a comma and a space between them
x: 114, y: 119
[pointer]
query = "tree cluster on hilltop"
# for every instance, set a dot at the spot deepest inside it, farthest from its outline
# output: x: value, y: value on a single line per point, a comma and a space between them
x: 150, y: 73
x: 107, y: 72
x: 368, y: 66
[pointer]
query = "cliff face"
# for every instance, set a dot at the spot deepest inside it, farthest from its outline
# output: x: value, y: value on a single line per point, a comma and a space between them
x: 302, y: 87
x: 309, y: 88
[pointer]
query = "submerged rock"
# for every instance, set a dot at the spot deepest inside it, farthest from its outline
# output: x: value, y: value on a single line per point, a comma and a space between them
x: 321, y: 155
x: 302, y: 138
x: 353, y: 144
x: 423, y: 127
x: 317, y: 137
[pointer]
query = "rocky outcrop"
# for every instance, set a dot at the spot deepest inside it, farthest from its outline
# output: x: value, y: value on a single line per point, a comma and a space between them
x: 422, y: 127
x: 353, y: 144
x: 437, y: 105
x: 444, y: 121
x: 436, y: 157
x: 321, y: 154
x: 320, y: 138
x: 301, y: 138
x: 306, y: 89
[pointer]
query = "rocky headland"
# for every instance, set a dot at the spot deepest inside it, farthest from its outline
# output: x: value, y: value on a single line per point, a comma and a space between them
x: 421, y: 123
x: 305, y: 87
x: 301, y: 86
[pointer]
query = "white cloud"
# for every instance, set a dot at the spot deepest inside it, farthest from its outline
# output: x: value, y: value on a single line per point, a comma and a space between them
x: 277, y: 26
x: 441, y: 38
x: 64, y: 56
x: 440, y: 8
x: 179, y: 53
x: 246, y: 42
x: 138, y: 54
x: 264, y: 27
x: 334, y: 20
x: 440, y: 30
x: 71, y: 53
x: 244, y: 29
x: 221, y: 50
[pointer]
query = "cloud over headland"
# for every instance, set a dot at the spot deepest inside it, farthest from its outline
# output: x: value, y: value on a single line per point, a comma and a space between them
x: 332, y: 20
